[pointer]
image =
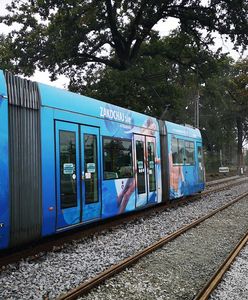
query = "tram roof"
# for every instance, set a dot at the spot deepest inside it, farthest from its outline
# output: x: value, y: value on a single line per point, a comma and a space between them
x: 66, y: 100
x: 183, y: 130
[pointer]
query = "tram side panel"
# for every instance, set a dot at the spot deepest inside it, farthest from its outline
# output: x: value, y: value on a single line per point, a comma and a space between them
x: 185, y: 164
x: 49, y: 203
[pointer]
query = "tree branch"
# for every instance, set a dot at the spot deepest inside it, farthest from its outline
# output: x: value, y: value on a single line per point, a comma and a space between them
x: 84, y: 58
x: 117, y: 38
x: 134, y: 25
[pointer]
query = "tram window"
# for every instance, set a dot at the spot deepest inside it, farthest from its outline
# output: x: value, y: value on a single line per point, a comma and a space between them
x: 151, y: 166
x: 177, y: 148
x: 68, y: 184
x: 91, y: 168
x: 189, y: 153
x: 117, y: 158
x: 199, y: 152
x: 141, y: 185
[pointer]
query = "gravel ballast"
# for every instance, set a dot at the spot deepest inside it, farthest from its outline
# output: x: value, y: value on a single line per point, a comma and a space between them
x: 212, y: 185
x: 60, y: 271
x: 182, y: 267
x: 234, y: 285
x: 222, y: 180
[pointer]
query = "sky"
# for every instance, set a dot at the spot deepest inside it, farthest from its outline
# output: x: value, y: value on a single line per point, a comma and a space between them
x: 164, y: 29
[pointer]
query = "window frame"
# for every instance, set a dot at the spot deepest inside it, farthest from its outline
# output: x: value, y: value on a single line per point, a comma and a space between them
x: 132, y: 156
x: 184, y: 163
x: 62, y: 205
x: 178, y: 139
x: 97, y: 168
x: 154, y: 167
x: 194, y: 157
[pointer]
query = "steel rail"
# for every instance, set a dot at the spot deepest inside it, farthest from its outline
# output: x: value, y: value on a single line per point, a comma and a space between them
x: 206, y: 291
x: 220, y: 181
x: 210, y: 188
x: 222, y: 187
x: 85, y: 287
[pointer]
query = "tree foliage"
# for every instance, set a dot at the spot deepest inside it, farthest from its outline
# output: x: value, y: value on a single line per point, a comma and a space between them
x: 239, y: 95
x: 225, y: 109
x: 167, y: 88
x: 5, y: 58
x: 62, y: 36
x: 155, y: 84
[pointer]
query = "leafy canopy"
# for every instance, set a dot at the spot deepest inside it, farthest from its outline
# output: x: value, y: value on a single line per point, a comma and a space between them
x: 162, y: 82
x: 5, y: 58
x: 65, y: 35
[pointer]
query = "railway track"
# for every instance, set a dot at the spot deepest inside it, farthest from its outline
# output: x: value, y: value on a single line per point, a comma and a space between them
x: 39, y: 249
x: 223, y: 180
x: 208, y: 289
x: 84, y: 288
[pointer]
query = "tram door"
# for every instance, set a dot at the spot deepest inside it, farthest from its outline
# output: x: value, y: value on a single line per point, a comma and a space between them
x: 77, y: 174
x: 145, y: 169
x: 90, y: 173
x: 200, y: 163
x: 67, y: 174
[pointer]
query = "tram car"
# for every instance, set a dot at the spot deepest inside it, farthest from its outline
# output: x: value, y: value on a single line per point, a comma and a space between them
x: 67, y: 160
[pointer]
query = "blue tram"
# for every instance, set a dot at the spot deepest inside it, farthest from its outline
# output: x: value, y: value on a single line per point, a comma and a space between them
x: 66, y: 160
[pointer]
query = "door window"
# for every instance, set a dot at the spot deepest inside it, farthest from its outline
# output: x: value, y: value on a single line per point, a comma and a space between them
x: 90, y: 167
x: 151, y: 167
x: 200, y: 163
x: 68, y: 182
x: 140, y: 167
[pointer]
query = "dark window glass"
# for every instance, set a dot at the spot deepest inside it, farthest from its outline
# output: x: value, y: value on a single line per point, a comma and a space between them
x: 68, y: 182
x: 151, y: 167
x: 177, y: 148
x: 199, y: 154
x: 200, y: 164
x: 140, y: 167
x: 180, y: 151
x: 174, y: 150
x: 189, y: 153
x: 117, y: 158
x: 90, y: 168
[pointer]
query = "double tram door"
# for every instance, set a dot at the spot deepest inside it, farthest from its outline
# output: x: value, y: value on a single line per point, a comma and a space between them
x: 77, y: 174
x: 145, y: 169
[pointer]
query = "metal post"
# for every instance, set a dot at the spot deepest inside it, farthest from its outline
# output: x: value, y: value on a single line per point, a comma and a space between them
x: 197, y: 109
x: 197, y: 113
x: 197, y: 99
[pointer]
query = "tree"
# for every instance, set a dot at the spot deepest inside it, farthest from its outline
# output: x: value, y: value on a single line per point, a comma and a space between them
x: 225, y: 109
x: 238, y: 92
x: 5, y: 59
x: 155, y: 84
x: 216, y: 118
x: 63, y: 36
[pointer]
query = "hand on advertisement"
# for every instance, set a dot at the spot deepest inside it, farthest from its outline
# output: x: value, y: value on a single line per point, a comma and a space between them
x: 125, y: 194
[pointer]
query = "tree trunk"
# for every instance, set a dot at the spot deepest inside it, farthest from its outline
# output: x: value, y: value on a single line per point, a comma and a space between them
x: 240, y: 159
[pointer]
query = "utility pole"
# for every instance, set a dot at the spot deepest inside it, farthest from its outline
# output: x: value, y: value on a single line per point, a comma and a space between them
x: 197, y: 112
x: 197, y: 100
x: 162, y: 117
